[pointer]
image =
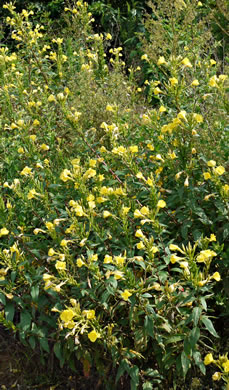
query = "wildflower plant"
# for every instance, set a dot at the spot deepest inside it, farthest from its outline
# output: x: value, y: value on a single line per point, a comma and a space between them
x: 113, y: 210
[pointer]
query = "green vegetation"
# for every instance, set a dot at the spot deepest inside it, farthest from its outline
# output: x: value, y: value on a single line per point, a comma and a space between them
x: 114, y: 220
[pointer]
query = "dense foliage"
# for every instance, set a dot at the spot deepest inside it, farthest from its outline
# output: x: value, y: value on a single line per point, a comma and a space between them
x: 114, y: 197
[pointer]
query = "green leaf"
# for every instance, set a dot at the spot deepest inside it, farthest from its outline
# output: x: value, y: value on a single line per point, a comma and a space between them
x: 2, y: 299
x: 44, y: 344
x: 32, y: 342
x: 174, y: 339
x: 196, y: 315
x: 9, y: 311
x: 198, y: 361
x: 209, y: 325
x: 25, y: 321
x: 185, y: 363
x: 149, y: 325
x: 194, y: 336
x: 35, y: 293
x: 58, y: 352
x: 123, y: 367
x: 134, y: 374
x: 147, y: 386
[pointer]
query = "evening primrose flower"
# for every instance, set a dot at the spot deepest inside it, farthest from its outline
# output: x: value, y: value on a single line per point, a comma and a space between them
x: 144, y: 57
x: 213, y: 81
x: 186, y: 63
x: 211, y: 163
x: 66, y: 175
x: 79, y: 262
x: 125, y: 295
x: 198, y: 118
x: 207, y: 175
x: 4, y: 232
x: 195, y: 83
x: 93, y: 336
x: 216, y: 376
x: 161, y: 204
x: 174, y: 258
x: 157, y: 91
x: 140, y: 245
x: 212, y: 237
x: 133, y: 149
x: 60, y: 265
x: 106, y: 214
x: 107, y: 259
x: 26, y: 171
x: 90, y: 314
x: 173, y: 81
x: 220, y: 170
x: 216, y: 276
x: 161, y: 61
x: 226, y: 366
x: 44, y: 147
x: 208, y: 359
x: 205, y: 256
x: 67, y: 315
x: 139, y: 234
x: 162, y: 109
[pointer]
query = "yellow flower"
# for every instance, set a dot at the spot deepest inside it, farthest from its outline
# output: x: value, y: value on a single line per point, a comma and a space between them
x: 161, y: 61
x: 212, y: 62
x: 161, y: 204
x: 140, y: 245
x: 220, y: 170
x: 195, y: 83
x: 182, y: 115
x: 32, y: 194
x: 186, y: 63
x: 125, y: 295
x: 90, y: 314
x: 79, y: 262
x: 49, y: 226
x: 51, y: 98
x: 216, y: 376
x: 108, y: 36
x: 157, y: 90
x: 21, y: 150
x: 211, y: 163
x: 156, y: 286
x: 161, y: 109
x: 198, y: 118
x: 106, y: 214
x: 93, y: 336
x: 133, y: 149
x: 173, y: 81
x: 205, y: 256
x: 186, y: 182
x: 213, y: 81
x: 60, y: 265
x: 139, y: 234
x: 65, y: 175
x: 36, y: 122
x: 144, y: 210
x: 51, y: 252
x: 107, y: 259
x: 212, y: 237
x: 67, y: 315
x: 120, y: 260
x: 26, y: 171
x: 216, y: 276
x: 44, y: 147
x: 184, y: 264
x: 174, y: 258
x: 226, y: 366
x: 109, y: 108
x: 144, y: 57
x: 207, y: 175
x: 208, y: 359
x: 4, y: 232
